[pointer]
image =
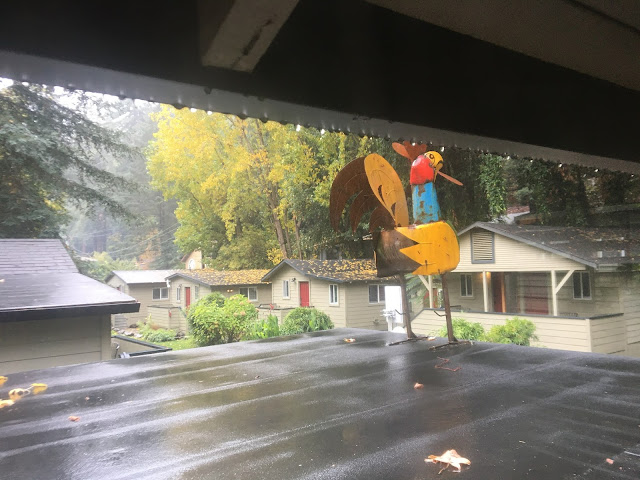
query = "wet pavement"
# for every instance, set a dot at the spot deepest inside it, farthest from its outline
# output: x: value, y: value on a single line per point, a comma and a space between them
x: 314, y: 406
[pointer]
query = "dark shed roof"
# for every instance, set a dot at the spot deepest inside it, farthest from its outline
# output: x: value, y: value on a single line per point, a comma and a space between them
x: 595, y: 247
x: 34, y: 256
x: 315, y: 407
x: 38, y: 280
x: 339, y: 271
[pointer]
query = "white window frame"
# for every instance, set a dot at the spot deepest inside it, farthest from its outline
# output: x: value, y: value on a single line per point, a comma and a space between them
x: 249, y: 291
x: 468, y: 282
x: 178, y: 294
x: 334, y: 294
x: 581, y: 283
x: 160, y: 291
x: 286, y: 293
x: 379, y: 286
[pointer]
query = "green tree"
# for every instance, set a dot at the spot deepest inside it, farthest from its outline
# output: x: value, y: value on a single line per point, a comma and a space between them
x: 47, y: 158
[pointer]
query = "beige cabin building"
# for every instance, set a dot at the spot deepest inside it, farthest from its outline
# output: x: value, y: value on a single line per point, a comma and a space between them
x: 148, y: 287
x: 347, y: 290
x: 577, y: 285
x: 186, y: 287
x: 50, y: 314
x: 193, y: 260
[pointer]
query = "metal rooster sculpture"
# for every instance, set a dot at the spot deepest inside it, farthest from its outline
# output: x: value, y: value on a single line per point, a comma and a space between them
x: 425, y: 247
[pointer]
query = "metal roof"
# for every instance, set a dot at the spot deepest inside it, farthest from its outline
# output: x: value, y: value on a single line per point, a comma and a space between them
x: 215, y: 278
x: 141, y: 276
x: 591, y: 246
x: 314, y: 407
x: 340, y: 271
x: 34, y: 256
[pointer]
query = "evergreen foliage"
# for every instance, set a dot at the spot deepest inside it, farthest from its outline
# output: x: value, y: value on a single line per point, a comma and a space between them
x: 304, y: 319
x: 47, y: 160
x: 212, y: 324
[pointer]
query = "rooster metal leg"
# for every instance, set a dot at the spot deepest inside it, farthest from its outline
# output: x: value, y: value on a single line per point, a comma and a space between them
x: 405, y: 308
x: 447, y: 309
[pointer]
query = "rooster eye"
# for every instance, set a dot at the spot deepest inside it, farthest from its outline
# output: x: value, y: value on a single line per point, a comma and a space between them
x: 431, y: 156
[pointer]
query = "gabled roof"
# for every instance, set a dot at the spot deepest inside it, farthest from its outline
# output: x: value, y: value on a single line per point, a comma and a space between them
x: 132, y: 277
x: 34, y: 256
x: 215, y: 278
x: 339, y: 271
x: 38, y: 280
x: 592, y: 246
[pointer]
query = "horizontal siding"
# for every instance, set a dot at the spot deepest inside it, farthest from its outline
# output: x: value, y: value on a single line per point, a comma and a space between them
x: 560, y: 333
x: 319, y: 298
x: 361, y: 313
x: 287, y: 273
x: 630, y: 300
x: 171, y: 318
x: 46, y: 343
x: 511, y: 256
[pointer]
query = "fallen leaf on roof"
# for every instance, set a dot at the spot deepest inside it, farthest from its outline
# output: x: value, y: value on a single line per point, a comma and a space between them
x: 450, y: 458
x: 349, y: 340
x: 73, y: 418
x: 5, y: 403
x: 18, y: 393
x: 37, y: 388
x: 418, y: 386
x: 430, y: 338
x: 609, y: 461
x: 444, y: 361
x: 1, y: 280
x: 3, y: 380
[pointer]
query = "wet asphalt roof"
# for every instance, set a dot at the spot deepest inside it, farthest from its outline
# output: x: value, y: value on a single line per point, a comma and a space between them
x: 315, y: 407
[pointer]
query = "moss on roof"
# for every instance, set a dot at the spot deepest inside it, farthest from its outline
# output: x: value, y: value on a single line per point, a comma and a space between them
x: 213, y: 277
x: 333, y: 270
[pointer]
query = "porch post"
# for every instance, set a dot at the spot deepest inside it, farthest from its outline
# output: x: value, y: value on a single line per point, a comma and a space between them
x: 554, y: 294
x: 431, y: 303
x: 485, y: 293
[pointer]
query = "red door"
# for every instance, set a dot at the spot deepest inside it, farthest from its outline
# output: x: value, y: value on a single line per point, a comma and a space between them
x: 304, y: 294
x: 187, y: 296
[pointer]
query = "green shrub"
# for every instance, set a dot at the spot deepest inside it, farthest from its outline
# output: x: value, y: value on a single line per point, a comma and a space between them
x: 215, y: 297
x: 464, y: 330
x: 304, y: 319
x: 265, y: 328
x: 516, y: 330
x: 212, y: 324
x: 151, y: 333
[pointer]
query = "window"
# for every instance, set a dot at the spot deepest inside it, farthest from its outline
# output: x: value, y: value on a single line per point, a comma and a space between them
x: 376, y: 293
x: 482, y: 247
x: 178, y: 294
x: 160, y: 293
x: 581, y: 286
x: 197, y: 292
x: 466, y: 285
x: 192, y: 264
x: 285, y: 289
x: 333, y: 294
x: 250, y: 292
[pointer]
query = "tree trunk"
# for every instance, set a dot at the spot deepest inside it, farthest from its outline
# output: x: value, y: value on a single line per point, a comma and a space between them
x: 297, y: 230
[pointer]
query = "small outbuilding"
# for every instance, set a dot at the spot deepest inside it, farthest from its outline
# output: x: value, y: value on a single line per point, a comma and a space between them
x: 50, y: 314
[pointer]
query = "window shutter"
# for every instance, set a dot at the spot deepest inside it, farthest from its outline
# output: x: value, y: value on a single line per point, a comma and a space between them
x: 482, y: 247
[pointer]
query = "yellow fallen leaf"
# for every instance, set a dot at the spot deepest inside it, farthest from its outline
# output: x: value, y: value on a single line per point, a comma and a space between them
x: 73, y: 418
x: 18, y: 393
x: 5, y: 403
x: 450, y: 458
x: 37, y: 388
x: 349, y: 340
x: 418, y: 386
x: 3, y: 380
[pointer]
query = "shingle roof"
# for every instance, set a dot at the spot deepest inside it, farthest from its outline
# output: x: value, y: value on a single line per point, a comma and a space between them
x: 340, y: 271
x: 34, y: 256
x: 592, y: 246
x: 141, y: 276
x: 213, y: 278
x: 38, y: 279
